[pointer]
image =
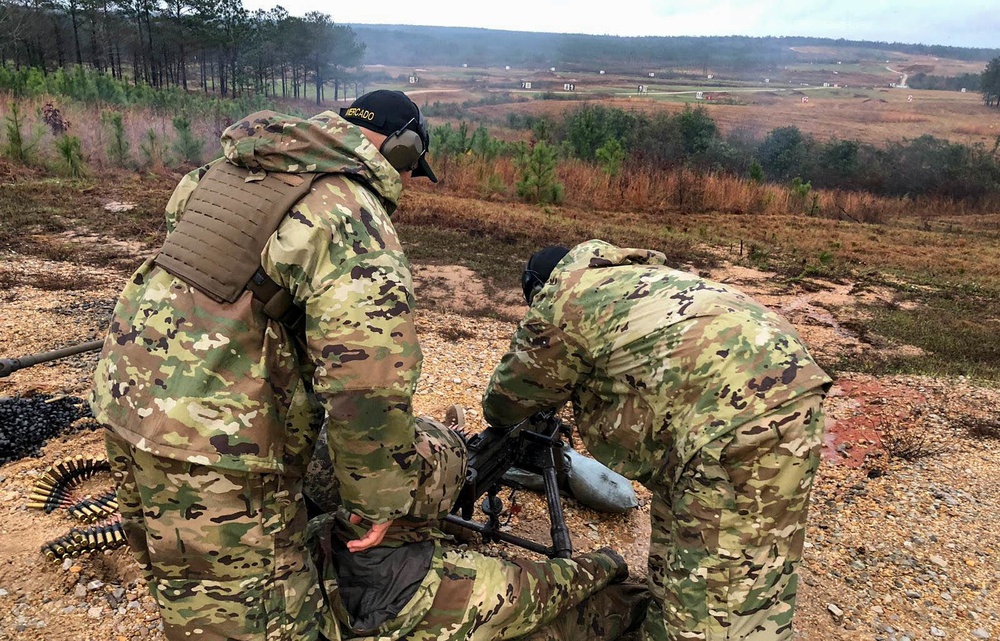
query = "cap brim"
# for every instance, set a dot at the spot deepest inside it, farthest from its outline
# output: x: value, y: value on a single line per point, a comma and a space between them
x: 423, y: 169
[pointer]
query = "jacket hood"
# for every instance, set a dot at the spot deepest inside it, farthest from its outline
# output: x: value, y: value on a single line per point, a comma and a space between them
x: 325, y: 143
x: 597, y: 253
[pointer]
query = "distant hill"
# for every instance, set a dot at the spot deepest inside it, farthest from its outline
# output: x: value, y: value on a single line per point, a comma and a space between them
x: 405, y: 45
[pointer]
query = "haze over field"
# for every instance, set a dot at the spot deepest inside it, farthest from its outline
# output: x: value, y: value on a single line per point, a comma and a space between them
x: 964, y: 23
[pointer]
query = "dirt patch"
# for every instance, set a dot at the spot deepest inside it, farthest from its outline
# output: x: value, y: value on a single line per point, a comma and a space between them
x: 458, y: 289
x: 824, y: 313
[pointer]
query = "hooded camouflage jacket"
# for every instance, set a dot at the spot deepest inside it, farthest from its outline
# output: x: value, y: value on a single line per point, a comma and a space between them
x: 658, y: 362
x: 184, y: 377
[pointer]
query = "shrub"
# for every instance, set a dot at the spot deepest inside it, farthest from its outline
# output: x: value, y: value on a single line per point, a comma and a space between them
x: 17, y: 147
x: 187, y: 146
x: 484, y: 146
x: 118, y: 146
x: 152, y: 150
x: 611, y: 155
x: 590, y: 127
x: 53, y: 118
x: 697, y: 130
x: 783, y: 152
x: 908, y: 442
x: 448, y: 141
x: 70, y: 156
x: 538, y: 182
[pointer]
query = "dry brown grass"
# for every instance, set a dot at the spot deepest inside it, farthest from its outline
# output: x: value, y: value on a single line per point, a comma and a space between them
x: 883, y: 117
x: 928, y: 240
x: 977, y: 131
x: 653, y: 190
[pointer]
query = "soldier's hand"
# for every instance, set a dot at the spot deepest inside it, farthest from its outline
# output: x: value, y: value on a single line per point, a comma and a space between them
x: 371, y: 539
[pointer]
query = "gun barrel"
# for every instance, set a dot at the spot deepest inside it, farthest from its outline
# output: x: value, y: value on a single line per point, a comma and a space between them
x: 10, y: 365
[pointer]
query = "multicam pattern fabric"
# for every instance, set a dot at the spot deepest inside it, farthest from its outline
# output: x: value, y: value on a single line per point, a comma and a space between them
x: 185, y: 378
x: 660, y: 365
x: 470, y: 596
x: 616, y: 612
x: 443, y: 463
x: 728, y: 536
x: 223, y: 551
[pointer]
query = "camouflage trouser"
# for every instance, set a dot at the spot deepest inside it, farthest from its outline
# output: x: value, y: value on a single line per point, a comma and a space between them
x: 223, y: 551
x: 606, y: 615
x: 474, y: 597
x: 727, y: 538
x: 483, y: 598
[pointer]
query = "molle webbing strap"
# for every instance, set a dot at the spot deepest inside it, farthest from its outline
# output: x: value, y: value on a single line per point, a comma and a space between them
x: 216, y: 246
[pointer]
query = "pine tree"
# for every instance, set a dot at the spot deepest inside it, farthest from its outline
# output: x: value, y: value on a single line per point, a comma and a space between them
x: 991, y: 83
x: 538, y: 182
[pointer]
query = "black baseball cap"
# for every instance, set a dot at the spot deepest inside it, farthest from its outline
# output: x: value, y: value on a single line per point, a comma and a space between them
x: 388, y: 112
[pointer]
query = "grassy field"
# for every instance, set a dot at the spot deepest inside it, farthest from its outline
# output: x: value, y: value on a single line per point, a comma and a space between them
x: 942, y: 264
x: 945, y: 273
x: 864, y: 107
x: 874, y: 116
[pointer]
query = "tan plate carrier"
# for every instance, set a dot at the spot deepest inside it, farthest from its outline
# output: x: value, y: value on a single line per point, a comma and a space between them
x: 229, y: 217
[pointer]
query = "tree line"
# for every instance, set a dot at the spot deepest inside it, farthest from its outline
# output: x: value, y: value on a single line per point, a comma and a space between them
x: 216, y: 45
x: 420, y: 45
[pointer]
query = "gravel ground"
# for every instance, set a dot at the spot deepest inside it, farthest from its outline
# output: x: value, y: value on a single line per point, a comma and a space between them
x: 897, y: 549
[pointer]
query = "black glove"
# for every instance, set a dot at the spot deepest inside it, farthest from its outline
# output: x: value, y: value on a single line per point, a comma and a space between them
x: 621, y: 575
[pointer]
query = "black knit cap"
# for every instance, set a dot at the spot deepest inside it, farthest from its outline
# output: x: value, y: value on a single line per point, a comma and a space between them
x: 388, y: 112
x: 539, y: 268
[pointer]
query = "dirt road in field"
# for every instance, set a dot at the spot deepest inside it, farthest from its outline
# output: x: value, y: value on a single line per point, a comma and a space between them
x: 902, y: 82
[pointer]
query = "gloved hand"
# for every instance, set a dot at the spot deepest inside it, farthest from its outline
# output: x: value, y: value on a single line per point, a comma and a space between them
x: 622, y: 574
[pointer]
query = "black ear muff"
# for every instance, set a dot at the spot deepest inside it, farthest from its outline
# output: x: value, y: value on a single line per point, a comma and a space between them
x: 403, y: 149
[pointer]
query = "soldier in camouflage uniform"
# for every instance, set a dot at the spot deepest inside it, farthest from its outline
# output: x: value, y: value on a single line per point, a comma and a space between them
x: 701, y: 394
x: 213, y: 408
x: 415, y: 586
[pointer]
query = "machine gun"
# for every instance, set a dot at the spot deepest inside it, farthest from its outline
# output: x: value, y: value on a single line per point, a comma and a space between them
x: 10, y: 365
x: 534, y: 445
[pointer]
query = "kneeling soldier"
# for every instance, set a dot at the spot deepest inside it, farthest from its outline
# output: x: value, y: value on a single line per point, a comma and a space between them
x: 415, y: 586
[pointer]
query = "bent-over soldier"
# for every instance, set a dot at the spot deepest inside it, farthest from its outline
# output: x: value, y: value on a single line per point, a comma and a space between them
x: 700, y: 393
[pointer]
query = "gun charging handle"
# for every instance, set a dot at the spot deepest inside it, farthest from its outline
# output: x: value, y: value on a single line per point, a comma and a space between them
x: 10, y: 365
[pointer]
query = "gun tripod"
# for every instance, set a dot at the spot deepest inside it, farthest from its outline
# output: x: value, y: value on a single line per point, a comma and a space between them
x: 539, y: 452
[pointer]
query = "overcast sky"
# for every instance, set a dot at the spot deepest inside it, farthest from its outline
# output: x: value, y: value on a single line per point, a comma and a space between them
x: 951, y: 22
